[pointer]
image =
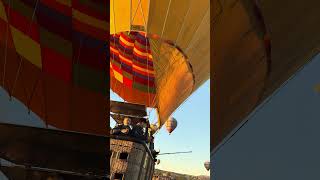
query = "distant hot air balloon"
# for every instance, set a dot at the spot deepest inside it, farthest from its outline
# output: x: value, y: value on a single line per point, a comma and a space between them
x: 207, y: 165
x: 159, y: 51
x: 171, y: 124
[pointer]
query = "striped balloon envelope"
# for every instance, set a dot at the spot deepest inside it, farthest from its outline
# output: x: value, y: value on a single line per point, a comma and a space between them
x: 131, y: 67
x: 160, y: 51
x: 52, y: 59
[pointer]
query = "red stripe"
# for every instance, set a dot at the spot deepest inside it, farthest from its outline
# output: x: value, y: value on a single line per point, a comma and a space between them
x: 87, y: 29
x: 111, y: 72
x: 127, y: 37
x: 144, y: 66
x: 126, y: 81
x: 143, y: 49
x: 125, y: 62
x: 24, y: 25
x: 141, y: 72
x: 124, y: 45
x: 116, y: 68
x: 126, y: 55
x: 143, y: 57
x: 143, y: 81
x: 63, y: 9
x: 113, y: 51
x: 56, y: 64
x: 113, y: 54
x: 89, y: 11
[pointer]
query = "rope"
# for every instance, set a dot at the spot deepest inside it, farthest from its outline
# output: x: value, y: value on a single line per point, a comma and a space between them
x: 165, y: 20
x: 135, y: 13
x: 189, y: 46
x: 20, y: 63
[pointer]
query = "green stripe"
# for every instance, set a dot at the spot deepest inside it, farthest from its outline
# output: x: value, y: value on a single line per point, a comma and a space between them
x: 141, y: 46
x: 144, y: 88
x: 21, y: 8
x: 127, y: 75
x: 56, y: 42
x: 113, y: 44
x: 126, y: 53
x: 115, y: 63
x: 86, y: 77
x: 131, y: 36
x: 142, y: 65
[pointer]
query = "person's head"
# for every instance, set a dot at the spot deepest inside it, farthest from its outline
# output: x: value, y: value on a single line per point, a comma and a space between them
x: 127, y: 121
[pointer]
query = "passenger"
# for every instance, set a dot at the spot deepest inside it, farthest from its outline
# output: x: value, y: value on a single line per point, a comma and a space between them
x: 116, y: 130
x: 126, y: 128
x: 138, y: 130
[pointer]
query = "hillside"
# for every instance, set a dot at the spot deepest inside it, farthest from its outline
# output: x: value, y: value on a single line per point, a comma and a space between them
x: 178, y: 176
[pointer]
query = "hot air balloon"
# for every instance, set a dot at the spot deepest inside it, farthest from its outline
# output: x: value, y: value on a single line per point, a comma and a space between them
x: 53, y: 69
x: 171, y: 124
x: 256, y: 56
x: 207, y: 165
x: 52, y: 59
x: 159, y: 51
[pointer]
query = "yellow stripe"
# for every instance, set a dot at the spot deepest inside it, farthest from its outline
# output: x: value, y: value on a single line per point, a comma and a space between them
x: 27, y: 47
x: 126, y: 42
x: 90, y: 20
x: 125, y: 59
x: 140, y: 52
x: 142, y: 69
x: 114, y: 50
x: 65, y: 2
x: 3, y: 14
x: 118, y: 76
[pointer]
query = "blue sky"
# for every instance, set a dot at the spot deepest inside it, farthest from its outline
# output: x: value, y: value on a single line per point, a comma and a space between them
x: 191, y: 134
x: 281, y: 139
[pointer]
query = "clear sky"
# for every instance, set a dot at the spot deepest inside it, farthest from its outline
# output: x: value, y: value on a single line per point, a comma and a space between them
x: 191, y: 134
x: 281, y: 139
